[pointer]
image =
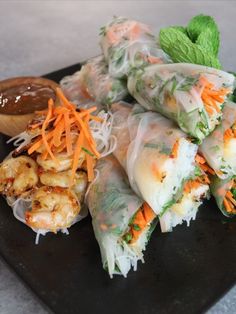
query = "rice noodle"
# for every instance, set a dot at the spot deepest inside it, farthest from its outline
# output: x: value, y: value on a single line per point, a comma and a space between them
x: 21, y: 205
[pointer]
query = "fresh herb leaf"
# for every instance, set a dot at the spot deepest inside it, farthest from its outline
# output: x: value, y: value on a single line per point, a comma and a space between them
x: 163, y: 149
x: 203, y: 30
x: 215, y: 148
x: 197, y: 171
x: 151, y: 145
x: 127, y: 237
x: 136, y: 227
x: 87, y: 151
x: 167, y: 206
x: 181, y: 49
x: 174, y: 85
x: 103, y: 31
x: 233, y: 191
x: 188, y: 83
x: 181, y: 29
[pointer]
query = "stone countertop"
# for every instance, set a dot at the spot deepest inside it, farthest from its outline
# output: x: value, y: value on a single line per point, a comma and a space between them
x: 38, y: 37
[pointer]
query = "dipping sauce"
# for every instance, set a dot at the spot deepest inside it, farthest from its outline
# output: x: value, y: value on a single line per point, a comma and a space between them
x: 25, y: 98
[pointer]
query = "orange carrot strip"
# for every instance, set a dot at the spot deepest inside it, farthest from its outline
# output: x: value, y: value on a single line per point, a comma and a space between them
x: 57, y: 133
x: 45, y: 123
x: 149, y: 214
x: 228, y: 134
x: 98, y: 119
x: 36, y: 145
x: 89, y: 161
x: 199, y: 159
x: 175, y: 148
x: 64, y: 100
x: 155, y: 171
x: 230, y: 196
x: 227, y: 205
x: 35, y: 126
x: 78, y: 147
x: 68, y: 135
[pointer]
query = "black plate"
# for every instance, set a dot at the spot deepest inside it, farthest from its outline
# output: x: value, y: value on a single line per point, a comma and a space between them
x: 185, y: 271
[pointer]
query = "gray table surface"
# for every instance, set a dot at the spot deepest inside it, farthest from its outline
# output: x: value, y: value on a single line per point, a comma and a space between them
x: 37, y: 37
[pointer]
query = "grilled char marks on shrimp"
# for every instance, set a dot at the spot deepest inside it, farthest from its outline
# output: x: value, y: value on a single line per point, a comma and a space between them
x: 18, y: 176
x: 53, y: 208
x: 62, y: 179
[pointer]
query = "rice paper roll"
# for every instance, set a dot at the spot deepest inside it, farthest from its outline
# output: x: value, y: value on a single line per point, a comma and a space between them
x: 224, y: 192
x: 122, y: 222
x: 219, y: 148
x: 93, y: 82
x: 195, y: 190
x: 127, y: 43
x: 190, y: 94
x: 158, y: 157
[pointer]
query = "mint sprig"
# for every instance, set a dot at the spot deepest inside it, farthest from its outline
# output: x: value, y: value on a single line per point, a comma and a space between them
x: 181, y: 49
x: 203, y: 30
x: 197, y: 43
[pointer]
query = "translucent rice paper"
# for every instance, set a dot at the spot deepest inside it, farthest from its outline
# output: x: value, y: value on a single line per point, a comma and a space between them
x: 21, y: 205
x: 221, y: 155
x: 147, y: 155
x: 112, y: 205
x: 219, y: 189
x: 94, y: 82
x: 174, y: 90
x: 185, y: 209
x: 127, y: 43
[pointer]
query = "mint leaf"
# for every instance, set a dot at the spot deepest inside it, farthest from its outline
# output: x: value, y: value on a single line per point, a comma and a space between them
x: 197, y: 171
x: 233, y: 191
x: 128, y: 237
x: 203, y: 30
x: 181, y: 49
x: 136, y: 227
x: 181, y: 29
x: 205, y: 41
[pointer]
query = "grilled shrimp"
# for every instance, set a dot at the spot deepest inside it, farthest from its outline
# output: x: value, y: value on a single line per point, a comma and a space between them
x: 53, y: 208
x: 64, y: 162
x: 62, y: 179
x: 18, y: 176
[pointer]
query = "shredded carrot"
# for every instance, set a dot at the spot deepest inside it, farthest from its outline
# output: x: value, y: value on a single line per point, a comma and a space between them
x: 175, y: 148
x: 191, y: 184
x: 155, y: 171
x: 228, y: 201
x: 200, y: 160
x: 203, y: 164
x: 103, y: 227
x: 231, y: 197
x: 228, y: 134
x: 211, y: 97
x: 154, y: 60
x: 143, y: 217
x: 67, y: 129
x: 227, y: 205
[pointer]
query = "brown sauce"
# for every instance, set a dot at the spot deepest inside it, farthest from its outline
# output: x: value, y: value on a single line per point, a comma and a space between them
x: 25, y: 98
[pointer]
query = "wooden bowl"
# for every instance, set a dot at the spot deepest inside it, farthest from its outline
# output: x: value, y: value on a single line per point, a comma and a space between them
x: 12, y: 124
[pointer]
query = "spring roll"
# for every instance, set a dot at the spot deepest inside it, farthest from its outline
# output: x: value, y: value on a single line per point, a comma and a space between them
x: 93, y: 82
x: 157, y: 156
x: 127, y: 43
x: 122, y: 222
x: 219, y: 148
x: 224, y: 191
x: 195, y: 190
x: 190, y: 94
